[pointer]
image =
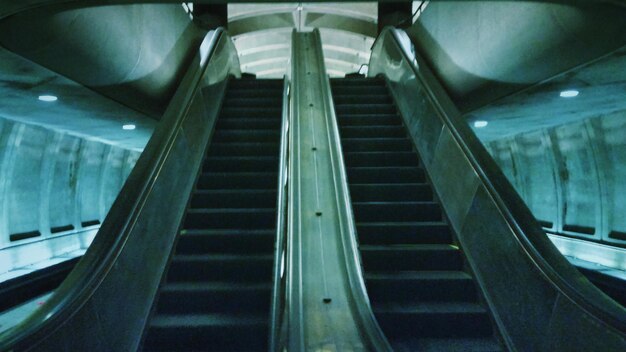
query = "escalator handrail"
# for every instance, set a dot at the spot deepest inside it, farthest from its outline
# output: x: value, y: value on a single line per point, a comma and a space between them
x: 280, y: 246
x: 375, y: 335
x: 524, y: 226
x: 106, y: 248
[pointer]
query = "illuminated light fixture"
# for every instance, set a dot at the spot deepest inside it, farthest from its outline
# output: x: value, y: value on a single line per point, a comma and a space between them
x: 480, y: 123
x: 568, y: 93
x: 48, y: 98
x: 129, y: 127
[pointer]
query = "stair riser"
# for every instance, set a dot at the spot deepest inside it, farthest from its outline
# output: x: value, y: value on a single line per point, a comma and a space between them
x: 266, y: 124
x: 373, y: 145
x: 405, y: 291
x: 397, y: 260
x: 240, y: 165
x: 214, y: 301
x: 384, y: 235
x: 390, y: 175
x: 343, y: 110
x: 386, y: 193
x: 238, y: 149
x: 342, y: 99
x: 246, y: 136
x: 373, y: 132
x: 435, y: 325
x: 250, y: 113
x: 215, y: 338
x: 381, y: 159
x: 234, y: 181
x: 253, y: 102
x: 252, y: 270
x: 373, y: 212
x: 370, y: 120
x: 225, y: 244
x: 231, y: 220
x: 243, y: 199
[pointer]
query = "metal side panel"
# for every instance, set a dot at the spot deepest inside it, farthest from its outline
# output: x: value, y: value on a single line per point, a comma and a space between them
x: 322, y: 300
x: 104, y: 303
x: 537, y: 299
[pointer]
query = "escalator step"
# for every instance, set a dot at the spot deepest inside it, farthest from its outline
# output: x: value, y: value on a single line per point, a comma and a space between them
x: 257, y: 84
x: 339, y: 90
x: 370, y: 120
x: 386, y: 192
x: 411, y: 257
x: 238, y: 180
x: 240, y: 163
x: 425, y: 286
x: 244, y: 149
x: 220, y: 267
x: 248, y: 123
x: 214, y: 297
x: 226, y: 242
x: 201, y: 332
x: 237, y: 198
x: 251, y: 112
x: 387, y: 233
x: 342, y: 99
x: 376, y: 145
x: 243, y: 93
x: 378, y: 159
x: 440, y: 320
x: 465, y: 344
x: 231, y: 218
x: 275, y: 100
x: 385, y: 175
x: 396, y: 211
x: 246, y: 136
x: 373, y: 131
x: 350, y: 109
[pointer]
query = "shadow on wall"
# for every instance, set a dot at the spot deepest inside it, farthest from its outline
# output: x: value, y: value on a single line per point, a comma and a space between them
x: 572, y: 176
x: 54, y: 188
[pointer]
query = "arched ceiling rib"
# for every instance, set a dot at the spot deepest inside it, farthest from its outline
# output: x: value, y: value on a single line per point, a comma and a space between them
x: 262, y: 34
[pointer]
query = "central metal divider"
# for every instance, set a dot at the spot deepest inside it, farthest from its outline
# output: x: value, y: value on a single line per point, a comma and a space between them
x: 327, y: 307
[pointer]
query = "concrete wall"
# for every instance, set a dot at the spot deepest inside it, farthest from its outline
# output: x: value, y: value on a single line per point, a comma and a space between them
x: 54, y: 188
x: 572, y: 176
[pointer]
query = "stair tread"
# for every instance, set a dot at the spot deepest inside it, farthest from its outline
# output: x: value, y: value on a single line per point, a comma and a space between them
x: 199, y: 320
x: 401, y: 223
x: 456, y: 344
x: 220, y: 257
x: 410, y: 247
x: 233, y: 232
x: 231, y: 210
x: 418, y: 275
x: 215, y: 286
x: 429, y: 308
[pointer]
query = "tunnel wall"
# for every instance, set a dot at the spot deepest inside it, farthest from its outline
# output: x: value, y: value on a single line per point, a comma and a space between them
x: 572, y: 176
x: 55, y: 190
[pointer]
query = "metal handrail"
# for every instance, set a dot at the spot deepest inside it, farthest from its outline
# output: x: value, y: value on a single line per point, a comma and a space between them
x: 123, y: 219
x: 525, y: 228
x: 349, y: 241
x: 280, y: 246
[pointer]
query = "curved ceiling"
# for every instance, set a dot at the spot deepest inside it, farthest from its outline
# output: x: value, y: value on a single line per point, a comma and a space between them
x: 262, y: 34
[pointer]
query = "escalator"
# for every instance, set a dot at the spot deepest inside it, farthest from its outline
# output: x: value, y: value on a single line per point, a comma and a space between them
x: 216, y: 293
x: 421, y: 292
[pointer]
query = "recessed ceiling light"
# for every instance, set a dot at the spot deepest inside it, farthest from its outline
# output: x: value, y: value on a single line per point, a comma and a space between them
x: 480, y: 123
x: 48, y: 98
x: 129, y: 127
x: 569, y: 93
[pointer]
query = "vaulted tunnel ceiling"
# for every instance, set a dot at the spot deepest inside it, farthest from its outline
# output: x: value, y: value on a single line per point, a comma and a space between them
x: 262, y: 34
